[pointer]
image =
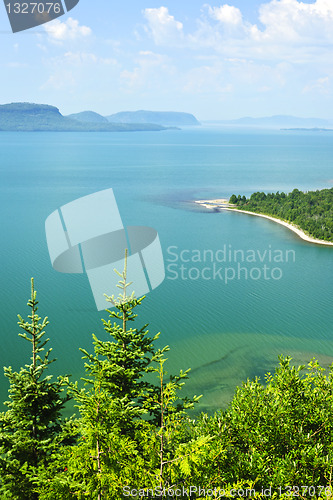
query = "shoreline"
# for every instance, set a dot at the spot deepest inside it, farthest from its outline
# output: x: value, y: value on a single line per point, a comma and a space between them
x: 221, y: 205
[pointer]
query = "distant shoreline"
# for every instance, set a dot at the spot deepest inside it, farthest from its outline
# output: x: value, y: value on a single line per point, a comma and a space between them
x: 223, y: 204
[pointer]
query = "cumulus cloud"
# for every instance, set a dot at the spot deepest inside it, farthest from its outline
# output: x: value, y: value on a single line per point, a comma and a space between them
x: 162, y: 26
x: 226, y: 14
x: 288, y: 29
x: 294, y: 21
x: 69, y: 30
x: 284, y: 54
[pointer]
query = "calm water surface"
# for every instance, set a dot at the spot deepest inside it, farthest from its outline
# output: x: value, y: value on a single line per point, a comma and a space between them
x: 225, y: 331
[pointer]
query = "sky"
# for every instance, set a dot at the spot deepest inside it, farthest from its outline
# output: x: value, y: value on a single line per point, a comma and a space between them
x: 215, y: 60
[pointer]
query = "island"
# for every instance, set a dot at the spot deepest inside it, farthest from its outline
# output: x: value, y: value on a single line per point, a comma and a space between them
x: 315, y: 129
x: 279, y: 122
x: 308, y: 214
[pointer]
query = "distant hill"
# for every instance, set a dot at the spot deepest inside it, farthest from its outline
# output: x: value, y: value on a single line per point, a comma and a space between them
x: 316, y: 129
x: 27, y: 117
x: 166, y: 118
x: 88, y: 117
x: 278, y: 121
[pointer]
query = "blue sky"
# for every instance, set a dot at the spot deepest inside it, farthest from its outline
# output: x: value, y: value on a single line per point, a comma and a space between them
x: 217, y: 60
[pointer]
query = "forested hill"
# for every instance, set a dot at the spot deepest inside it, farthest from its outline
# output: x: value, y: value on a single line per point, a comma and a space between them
x: 88, y: 116
x: 311, y: 211
x: 29, y: 117
x: 165, y: 118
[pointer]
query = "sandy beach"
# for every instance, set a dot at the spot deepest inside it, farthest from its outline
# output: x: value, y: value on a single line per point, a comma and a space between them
x: 224, y: 204
x: 213, y: 204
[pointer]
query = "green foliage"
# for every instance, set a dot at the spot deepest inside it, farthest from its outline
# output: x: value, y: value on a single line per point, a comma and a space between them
x: 31, y: 429
x: 134, y: 433
x: 123, y: 414
x: 176, y: 452
x: 311, y: 211
x: 277, y: 434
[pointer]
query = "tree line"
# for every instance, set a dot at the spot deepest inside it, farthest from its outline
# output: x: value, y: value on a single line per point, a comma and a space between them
x: 311, y: 211
x: 136, y: 438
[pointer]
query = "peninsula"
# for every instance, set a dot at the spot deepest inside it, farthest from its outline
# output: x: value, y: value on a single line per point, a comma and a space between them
x: 309, y: 215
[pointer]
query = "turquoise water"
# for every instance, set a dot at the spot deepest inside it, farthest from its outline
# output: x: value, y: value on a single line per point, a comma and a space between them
x: 224, y: 331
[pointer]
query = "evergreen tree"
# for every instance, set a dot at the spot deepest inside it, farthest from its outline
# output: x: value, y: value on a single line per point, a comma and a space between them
x: 31, y: 429
x: 121, y: 408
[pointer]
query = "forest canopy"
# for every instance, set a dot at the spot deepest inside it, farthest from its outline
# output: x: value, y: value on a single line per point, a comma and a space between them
x: 311, y: 211
x: 135, y: 438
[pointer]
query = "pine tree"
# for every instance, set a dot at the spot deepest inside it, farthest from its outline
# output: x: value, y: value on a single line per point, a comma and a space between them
x: 31, y: 429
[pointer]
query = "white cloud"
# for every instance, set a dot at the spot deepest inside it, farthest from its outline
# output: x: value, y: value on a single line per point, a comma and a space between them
x: 294, y: 21
x: 289, y: 30
x: 60, y: 80
x: 74, y: 68
x: 320, y: 85
x: 208, y: 80
x: 217, y: 61
x: 86, y: 58
x: 163, y: 27
x: 69, y: 30
x: 226, y: 14
x: 150, y: 69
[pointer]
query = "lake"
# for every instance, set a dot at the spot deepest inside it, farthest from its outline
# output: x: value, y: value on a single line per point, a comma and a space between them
x: 275, y: 302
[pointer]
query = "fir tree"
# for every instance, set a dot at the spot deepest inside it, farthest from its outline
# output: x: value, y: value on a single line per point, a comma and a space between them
x: 119, y: 365
x: 120, y: 410
x: 31, y: 429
